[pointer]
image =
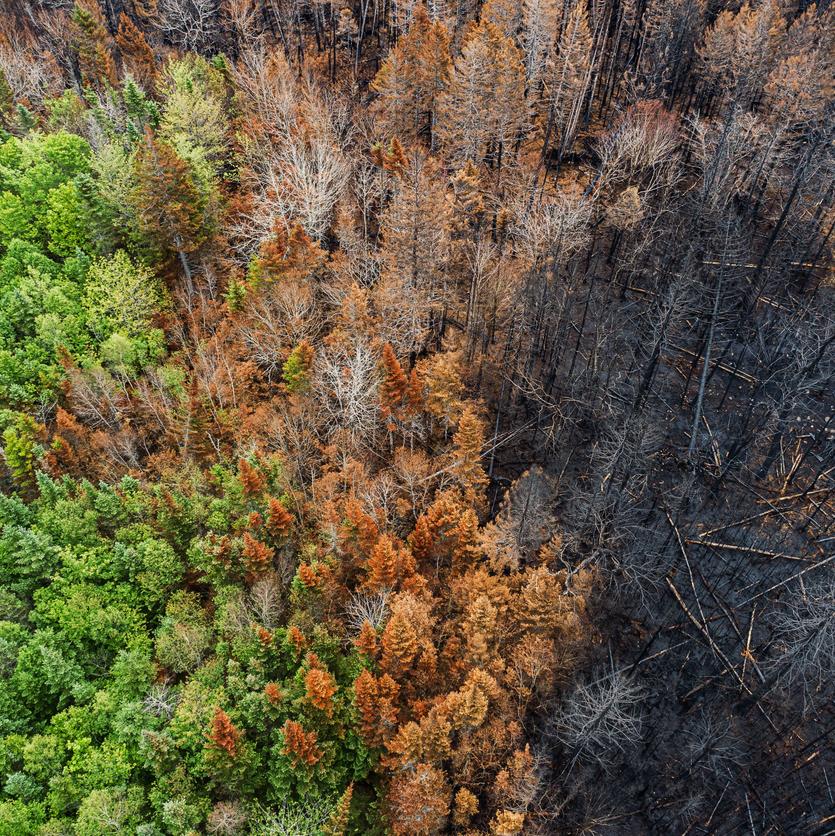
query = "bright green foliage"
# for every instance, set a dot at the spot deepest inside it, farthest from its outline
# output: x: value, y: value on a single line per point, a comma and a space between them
x: 122, y: 650
x: 20, y: 451
x: 55, y: 296
x: 120, y: 299
x: 195, y: 120
x: 40, y: 313
x: 30, y: 170
x: 297, y: 367
x: 120, y: 296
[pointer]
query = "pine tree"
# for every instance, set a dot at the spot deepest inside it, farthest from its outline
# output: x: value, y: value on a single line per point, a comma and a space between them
x: 465, y: 807
x: 445, y: 388
x: 414, y: 254
x: 484, y: 109
x: 168, y: 203
x: 395, y: 383
x: 507, y: 823
x: 412, y: 78
x: 289, y: 255
x: 94, y: 59
x: 300, y: 745
x: 136, y: 53
x: 358, y: 534
x: 541, y: 20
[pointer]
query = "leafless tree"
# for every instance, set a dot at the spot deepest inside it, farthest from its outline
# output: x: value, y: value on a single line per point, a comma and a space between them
x: 226, y: 819
x: 275, y: 317
x: 265, y: 600
x: 31, y: 77
x: 804, y: 638
x: 346, y: 379
x: 190, y: 24
x: 373, y: 608
x: 161, y: 701
x: 598, y: 721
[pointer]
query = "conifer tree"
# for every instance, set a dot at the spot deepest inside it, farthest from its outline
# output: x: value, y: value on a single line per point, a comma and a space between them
x: 169, y: 205
x: 337, y: 824
x: 251, y: 478
x: 19, y: 440
x: 566, y: 80
x: 320, y: 688
x: 300, y: 745
x: 257, y: 555
x: 412, y: 77
x: 279, y: 519
x: 94, y: 58
x: 468, y: 443
x: 367, y: 642
x: 382, y: 567
x: 136, y: 53
x: 419, y: 801
x: 376, y: 702
x: 297, y: 368
x: 224, y: 735
x: 395, y: 383
x: 484, y: 108
x: 541, y: 22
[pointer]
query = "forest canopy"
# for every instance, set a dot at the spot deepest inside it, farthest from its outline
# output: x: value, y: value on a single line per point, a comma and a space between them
x: 417, y: 417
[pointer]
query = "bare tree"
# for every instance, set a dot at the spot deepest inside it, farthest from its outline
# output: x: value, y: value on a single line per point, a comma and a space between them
x: 804, y: 637
x: 190, y: 24
x: 598, y: 721
x: 373, y: 608
x: 346, y: 379
x: 265, y: 600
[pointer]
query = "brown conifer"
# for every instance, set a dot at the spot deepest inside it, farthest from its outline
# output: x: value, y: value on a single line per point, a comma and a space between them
x: 297, y: 639
x: 300, y: 745
x: 94, y: 58
x: 412, y: 78
x: 376, y: 702
x: 320, y: 688
x: 279, y: 519
x: 367, y: 642
x: 395, y: 383
x: 273, y: 693
x: 168, y: 202
x: 400, y: 645
x: 382, y: 566
x: 224, y: 735
x: 136, y: 53
x: 418, y: 801
x: 251, y: 479
x: 468, y: 443
x: 257, y: 555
